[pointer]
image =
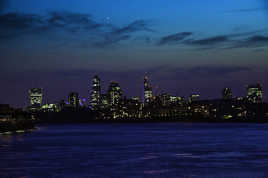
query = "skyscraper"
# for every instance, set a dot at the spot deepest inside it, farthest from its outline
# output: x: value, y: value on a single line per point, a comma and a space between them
x: 254, y: 93
x: 227, y: 94
x: 148, y: 93
x: 73, y: 99
x: 104, y: 101
x: 95, y: 92
x: 36, y: 96
x: 114, y: 93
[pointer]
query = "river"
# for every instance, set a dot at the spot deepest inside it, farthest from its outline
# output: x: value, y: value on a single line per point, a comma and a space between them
x: 137, y: 150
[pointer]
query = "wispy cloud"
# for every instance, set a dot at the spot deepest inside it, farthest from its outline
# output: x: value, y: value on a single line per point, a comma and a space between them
x: 209, y: 41
x: 124, y: 33
x: 252, y: 42
x: 138, y: 25
x: 73, y: 21
x: 174, y: 38
x: 73, y: 28
x: 17, y: 24
x: 13, y: 25
x: 250, y: 39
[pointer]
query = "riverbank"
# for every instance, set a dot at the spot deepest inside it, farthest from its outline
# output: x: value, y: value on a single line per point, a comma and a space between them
x: 74, y: 120
x: 16, y: 126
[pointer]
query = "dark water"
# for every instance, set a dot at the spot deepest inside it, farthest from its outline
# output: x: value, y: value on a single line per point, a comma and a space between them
x: 137, y: 150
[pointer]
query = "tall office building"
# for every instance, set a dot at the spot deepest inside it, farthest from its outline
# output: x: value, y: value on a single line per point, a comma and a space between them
x: 36, y: 96
x: 254, y: 94
x: 148, y: 93
x: 227, y: 94
x: 104, y: 101
x: 96, y: 92
x: 114, y: 93
x: 73, y: 99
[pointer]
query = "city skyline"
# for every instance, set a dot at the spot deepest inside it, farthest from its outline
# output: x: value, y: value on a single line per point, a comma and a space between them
x: 103, y: 87
x: 113, y: 95
x: 113, y: 104
x: 184, y: 46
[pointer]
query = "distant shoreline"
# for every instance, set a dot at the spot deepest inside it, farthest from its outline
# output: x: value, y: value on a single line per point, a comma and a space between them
x: 164, y: 120
x: 16, y: 127
x: 13, y: 128
x: 17, y: 132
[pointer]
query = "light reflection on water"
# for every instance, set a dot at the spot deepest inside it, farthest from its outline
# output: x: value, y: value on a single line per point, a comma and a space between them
x: 10, y: 138
x: 137, y: 150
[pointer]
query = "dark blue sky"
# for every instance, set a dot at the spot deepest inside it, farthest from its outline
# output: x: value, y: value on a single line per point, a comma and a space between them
x: 185, y: 46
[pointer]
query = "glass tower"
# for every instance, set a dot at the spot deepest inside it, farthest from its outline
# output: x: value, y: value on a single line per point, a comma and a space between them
x: 74, y: 99
x: 95, y: 92
x: 36, y: 96
x: 114, y: 93
x: 148, y: 93
x: 254, y: 93
x: 227, y: 94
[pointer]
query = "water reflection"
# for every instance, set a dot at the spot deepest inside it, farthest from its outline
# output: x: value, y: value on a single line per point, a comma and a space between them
x: 11, y: 138
x: 175, y: 150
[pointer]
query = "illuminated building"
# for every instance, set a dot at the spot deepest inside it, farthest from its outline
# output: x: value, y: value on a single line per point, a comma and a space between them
x: 73, y: 99
x: 135, y: 99
x: 114, y: 94
x: 148, y: 93
x: 175, y: 99
x: 50, y: 108
x: 227, y: 94
x: 96, y: 92
x: 240, y: 98
x: 254, y: 94
x: 131, y: 108
x: 36, y: 97
x: 104, y: 101
x: 194, y: 97
x: 165, y: 99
